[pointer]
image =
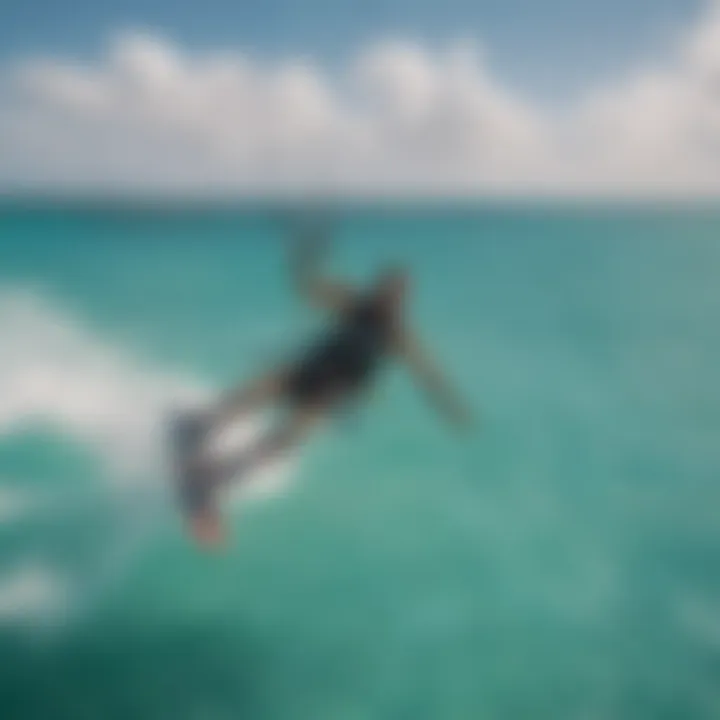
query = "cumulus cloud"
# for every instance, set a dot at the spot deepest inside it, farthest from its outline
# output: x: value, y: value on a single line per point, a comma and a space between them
x: 658, y: 128
x: 399, y: 119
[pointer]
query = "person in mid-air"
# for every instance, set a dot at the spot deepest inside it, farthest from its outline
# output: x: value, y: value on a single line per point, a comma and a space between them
x: 368, y: 327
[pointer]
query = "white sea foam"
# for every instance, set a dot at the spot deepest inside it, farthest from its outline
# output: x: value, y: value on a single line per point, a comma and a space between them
x: 58, y: 376
x: 54, y: 373
x: 14, y: 503
x: 31, y: 591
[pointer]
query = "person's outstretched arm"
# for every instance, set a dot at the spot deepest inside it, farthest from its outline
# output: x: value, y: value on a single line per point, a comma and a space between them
x: 431, y: 380
x: 319, y: 291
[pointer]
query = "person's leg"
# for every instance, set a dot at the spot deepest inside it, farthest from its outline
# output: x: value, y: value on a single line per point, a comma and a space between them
x: 192, y: 430
x: 278, y: 441
x: 248, y: 397
x: 205, y: 520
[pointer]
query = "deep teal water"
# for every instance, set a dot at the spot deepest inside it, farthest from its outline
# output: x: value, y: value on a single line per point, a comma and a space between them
x: 562, y: 561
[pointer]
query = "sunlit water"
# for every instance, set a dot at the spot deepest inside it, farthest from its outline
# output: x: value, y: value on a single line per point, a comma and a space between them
x: 562, y: 560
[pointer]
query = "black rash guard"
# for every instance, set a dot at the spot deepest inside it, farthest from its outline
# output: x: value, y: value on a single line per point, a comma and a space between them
x: 345, y: 360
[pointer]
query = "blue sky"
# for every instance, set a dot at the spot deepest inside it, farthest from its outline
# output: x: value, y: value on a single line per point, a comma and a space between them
x: 545, y: 48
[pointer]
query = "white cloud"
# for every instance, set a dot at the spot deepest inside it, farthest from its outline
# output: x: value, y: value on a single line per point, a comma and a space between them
x: 399, y: 119
x: 658, y: 128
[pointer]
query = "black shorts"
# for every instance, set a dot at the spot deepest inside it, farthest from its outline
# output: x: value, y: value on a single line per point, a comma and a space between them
x: 326, y: 376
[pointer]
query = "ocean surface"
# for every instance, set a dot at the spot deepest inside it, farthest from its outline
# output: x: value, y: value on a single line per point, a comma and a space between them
x: 560, y: 561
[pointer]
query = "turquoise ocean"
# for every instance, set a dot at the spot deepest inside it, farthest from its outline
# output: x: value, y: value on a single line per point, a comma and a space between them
x: 560, y: 561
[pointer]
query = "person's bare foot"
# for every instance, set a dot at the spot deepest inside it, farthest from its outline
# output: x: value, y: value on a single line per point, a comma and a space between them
x: 207, y: 529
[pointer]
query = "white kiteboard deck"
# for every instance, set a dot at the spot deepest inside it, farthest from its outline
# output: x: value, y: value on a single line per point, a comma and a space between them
x: 225, y: 451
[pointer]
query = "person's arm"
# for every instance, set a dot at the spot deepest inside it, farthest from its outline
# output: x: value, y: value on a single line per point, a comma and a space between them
x: 431, y: 380
x: 317, y: 290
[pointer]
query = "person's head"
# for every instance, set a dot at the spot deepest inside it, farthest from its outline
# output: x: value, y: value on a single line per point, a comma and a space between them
x: 391, y: 286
